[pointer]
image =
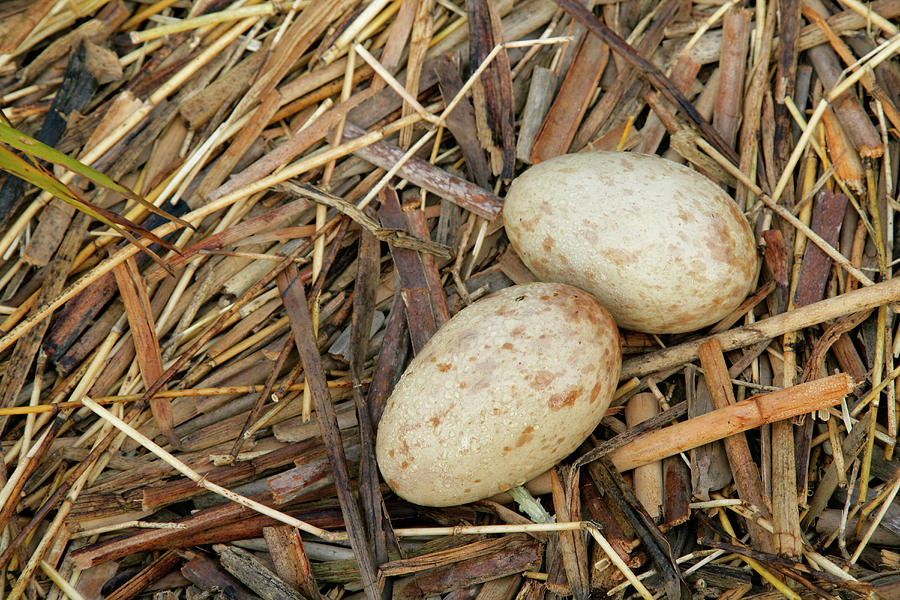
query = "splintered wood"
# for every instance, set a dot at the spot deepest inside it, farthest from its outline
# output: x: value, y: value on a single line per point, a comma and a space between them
x: 190, y: 400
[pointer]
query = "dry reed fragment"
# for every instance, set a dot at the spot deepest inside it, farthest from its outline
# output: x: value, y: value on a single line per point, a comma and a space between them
x: 741, y: 416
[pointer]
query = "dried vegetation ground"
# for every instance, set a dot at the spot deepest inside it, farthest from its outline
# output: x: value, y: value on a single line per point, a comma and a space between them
x: 363, y: 149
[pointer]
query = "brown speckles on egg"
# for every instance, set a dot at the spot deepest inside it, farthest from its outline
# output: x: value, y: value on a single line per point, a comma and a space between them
x: 562, y: 400
x: 595, y: 392
x: 618, y: 257
x: 541, y: 379
x: 524, y: 437
x: 443, y: 367
x: 507, y: 346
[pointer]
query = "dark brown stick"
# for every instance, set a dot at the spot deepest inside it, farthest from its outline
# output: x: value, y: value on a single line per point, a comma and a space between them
x: 163, y: 565
x: 650, y: 71
x: 295, y: 304
x: 423, y: 174
x: 743, y: 468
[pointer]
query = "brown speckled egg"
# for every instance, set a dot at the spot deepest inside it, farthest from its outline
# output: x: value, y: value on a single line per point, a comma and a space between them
x: 503, y: 391
x: 660, y: 245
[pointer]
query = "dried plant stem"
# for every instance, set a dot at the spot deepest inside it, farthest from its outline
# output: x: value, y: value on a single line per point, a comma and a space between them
x: 183, y: 393
x: 885, y: 505
x: 126, y: 525
x: 812, y: 314
x: 482, y: 529
x: 764, y: 573
x: 317, y: 160
x: 50, y: 534
x: 232, y: 14
x: 440, y: 120
x: 886, y: 51
x: 199, y: 479
x: 870, y: 15
x: 91, y: 155
x: 616, y: 560
x: 61, y: 582
x: 744, y: 469
x: 738, y: 417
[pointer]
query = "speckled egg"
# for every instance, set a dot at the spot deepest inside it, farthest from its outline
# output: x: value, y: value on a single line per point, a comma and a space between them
x: 504, y: 390
x: 660, y: 245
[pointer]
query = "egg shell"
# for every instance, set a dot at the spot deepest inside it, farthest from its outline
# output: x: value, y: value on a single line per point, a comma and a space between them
x: 504, y: 390
x: 660, y: 245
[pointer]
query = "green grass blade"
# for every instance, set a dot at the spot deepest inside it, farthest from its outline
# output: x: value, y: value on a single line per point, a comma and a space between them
x: 18, y: 166
x: 18, y: 140
x: 35, y: 175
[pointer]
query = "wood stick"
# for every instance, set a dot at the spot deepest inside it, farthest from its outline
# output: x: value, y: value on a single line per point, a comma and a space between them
x: 847, y: 165
x: 648, y: 478
x: 423, y: 295
x: 163, y: 565
x: 541, y: 92
x: 207, y: 575
x: 251, y: 572
x: 806, y: 316
x: 741, y: 416
x: 743, y: 468
x: 559, y: 126
x: 291, y: 561
x: 847, y: 106
x: 653, y: 74
x: 572, y: 544
x: 727, y: 112
x: 621, y: 91
x: 827, y: 217
x: 494, y: 92
x: 294, y: 298
x: 424, y: 174
x: 515, y: 553
x: 143, y: 334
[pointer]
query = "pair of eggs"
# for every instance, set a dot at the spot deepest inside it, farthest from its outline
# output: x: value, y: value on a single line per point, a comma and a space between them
x: 517, y: 381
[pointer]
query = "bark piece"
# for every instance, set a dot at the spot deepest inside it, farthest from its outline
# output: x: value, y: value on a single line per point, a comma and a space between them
x: 423, y: 296
x: 577, y: 90
x: 828, y: 215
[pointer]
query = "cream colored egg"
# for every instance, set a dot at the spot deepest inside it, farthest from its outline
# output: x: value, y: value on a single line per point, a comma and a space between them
x: 504, y: 390
x: 660, y: 245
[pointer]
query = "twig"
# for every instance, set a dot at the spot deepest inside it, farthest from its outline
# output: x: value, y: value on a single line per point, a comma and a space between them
x: 196, y: 477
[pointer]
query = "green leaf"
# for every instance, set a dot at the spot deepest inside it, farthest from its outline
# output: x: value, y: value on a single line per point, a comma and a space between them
x: 35, y: 175
x: 18, y: 140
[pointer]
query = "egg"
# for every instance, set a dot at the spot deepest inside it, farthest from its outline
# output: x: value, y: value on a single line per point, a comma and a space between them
x: 503, y: 391
x: 660, y: 245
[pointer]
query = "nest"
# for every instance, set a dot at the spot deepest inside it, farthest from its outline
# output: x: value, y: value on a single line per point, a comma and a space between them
x: 189, y: 389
